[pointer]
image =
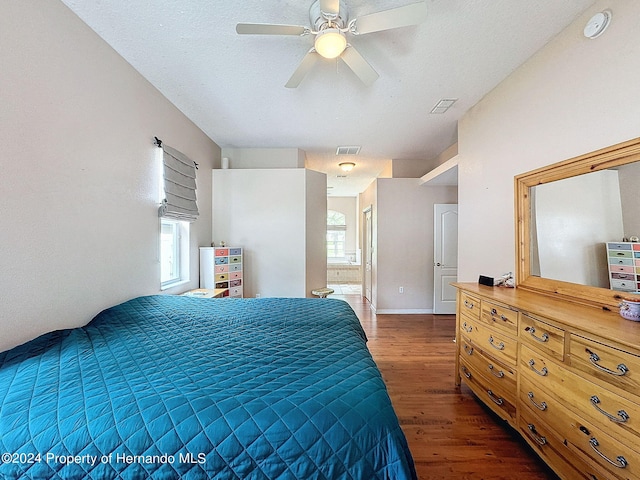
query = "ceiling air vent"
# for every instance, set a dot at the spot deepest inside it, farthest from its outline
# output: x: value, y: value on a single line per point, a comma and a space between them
x: 443, y: 105
x: 353, y: 150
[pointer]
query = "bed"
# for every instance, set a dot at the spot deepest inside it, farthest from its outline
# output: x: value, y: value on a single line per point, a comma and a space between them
x: 172, y: 387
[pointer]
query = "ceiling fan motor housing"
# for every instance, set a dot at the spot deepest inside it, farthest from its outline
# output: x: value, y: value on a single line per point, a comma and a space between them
x: 319, y: 22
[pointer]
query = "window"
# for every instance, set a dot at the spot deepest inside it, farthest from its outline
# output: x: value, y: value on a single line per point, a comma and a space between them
x: 336, y: 235
x: 174, y: 248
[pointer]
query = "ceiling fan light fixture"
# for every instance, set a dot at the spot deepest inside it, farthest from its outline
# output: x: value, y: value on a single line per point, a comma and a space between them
x: 330, y: 43
x: 346, y: 166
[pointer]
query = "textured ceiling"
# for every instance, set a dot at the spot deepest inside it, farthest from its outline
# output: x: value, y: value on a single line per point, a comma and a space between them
x: 232, y: 86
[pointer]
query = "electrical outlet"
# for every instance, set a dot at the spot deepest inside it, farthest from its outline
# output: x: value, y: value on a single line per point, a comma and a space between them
x: 401, y: 290
x: 257, y: 295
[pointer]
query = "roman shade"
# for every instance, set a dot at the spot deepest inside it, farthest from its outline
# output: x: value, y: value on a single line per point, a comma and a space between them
x: 179, y: 186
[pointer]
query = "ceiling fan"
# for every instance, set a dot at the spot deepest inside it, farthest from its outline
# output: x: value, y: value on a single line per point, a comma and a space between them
x: 330, y: 25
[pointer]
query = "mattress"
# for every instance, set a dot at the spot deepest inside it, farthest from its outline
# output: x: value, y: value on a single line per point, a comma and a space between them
x: 171, y: 387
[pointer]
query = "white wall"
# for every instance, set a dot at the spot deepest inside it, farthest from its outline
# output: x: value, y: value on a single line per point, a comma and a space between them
x: 264, y: 157
x: 315, y: 230
x: 574, y: 96
x: 275, y: 216
x: 574, y: 218
x: 79, y: 183
x: 403, y: 236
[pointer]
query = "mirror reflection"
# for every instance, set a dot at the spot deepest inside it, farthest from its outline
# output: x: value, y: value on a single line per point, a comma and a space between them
x: 573, y: 220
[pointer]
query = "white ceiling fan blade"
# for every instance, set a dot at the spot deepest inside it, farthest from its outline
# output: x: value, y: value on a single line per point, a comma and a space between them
x: 359, y: 65
x: 330, y: 6
x: 307, y: 63
x: 396, y: 17
x: 270, y: 29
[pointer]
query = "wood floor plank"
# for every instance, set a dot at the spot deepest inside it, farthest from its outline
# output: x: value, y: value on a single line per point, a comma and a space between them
x: 450, y: 433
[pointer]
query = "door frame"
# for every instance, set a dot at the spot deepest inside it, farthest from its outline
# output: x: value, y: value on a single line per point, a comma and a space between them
x: 367, y: 253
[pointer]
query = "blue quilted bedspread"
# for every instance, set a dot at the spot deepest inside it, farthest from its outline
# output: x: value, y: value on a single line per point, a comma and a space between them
x: 174, y: 387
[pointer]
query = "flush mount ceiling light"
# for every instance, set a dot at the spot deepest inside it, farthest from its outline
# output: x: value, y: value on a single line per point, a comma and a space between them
x: 346, y: 166
x: 330, y: 43
x: 597, y: 24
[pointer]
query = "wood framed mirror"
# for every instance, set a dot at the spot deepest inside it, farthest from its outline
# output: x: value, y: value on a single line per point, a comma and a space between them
x: 565, y: 215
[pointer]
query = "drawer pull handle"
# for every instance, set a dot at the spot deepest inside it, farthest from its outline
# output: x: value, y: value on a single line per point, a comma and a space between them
x: 622, y: 415
x: 542, y: 339
x: 466, y: 328
x: 497, y: 346
x: 538, y: 438
x: 620, y: 461
x: 594, y: 359
x: 496, y: 400
x: 468, y: 304
x: 468, y: 349
x: 466, y: 372
x: 540, y: 406
x: 498, y: 373
x: 543, y: 373
x: 494, y: 312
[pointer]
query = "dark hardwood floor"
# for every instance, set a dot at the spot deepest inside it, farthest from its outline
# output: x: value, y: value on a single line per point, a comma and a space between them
x: 451, y: 434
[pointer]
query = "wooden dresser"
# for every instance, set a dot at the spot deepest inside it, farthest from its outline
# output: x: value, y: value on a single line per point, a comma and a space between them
x: 565, y: 375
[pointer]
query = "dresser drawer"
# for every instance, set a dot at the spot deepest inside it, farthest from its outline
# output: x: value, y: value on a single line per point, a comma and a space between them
x: 221, y: 268
x: 594, y: 446
x: 235, y: 292
x: 235, y: 251
x: 611, y: 365
x: 551, y: 447
x: 538, y: 367
x: 235, y: 275
x: 618, y: 269
x: 538, y: 399
x: 624, y: 276
x: 221, y: 252
x: 469, y: 305
x: 490, y: 394
x: 620, y: 254
x: 501, y: 317
x: 221, y: 260
x: 496, y: 372
x: 618, y: 246
x: 620, y: 261
x: 494, y: 343
x: 623, y: 285
x: 221, y: 277
x: 541, y: 335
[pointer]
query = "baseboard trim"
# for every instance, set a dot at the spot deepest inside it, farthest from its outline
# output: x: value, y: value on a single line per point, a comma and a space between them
x: 402, y: 311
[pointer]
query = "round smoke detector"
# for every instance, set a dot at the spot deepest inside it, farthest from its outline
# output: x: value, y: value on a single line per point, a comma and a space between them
x: 597, y: 24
